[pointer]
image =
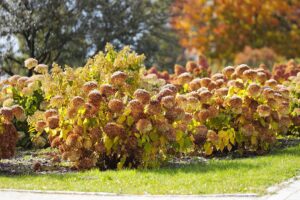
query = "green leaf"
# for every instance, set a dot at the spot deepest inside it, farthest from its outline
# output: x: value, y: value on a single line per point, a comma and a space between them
x: 153, y: 136
x: 147, y: 148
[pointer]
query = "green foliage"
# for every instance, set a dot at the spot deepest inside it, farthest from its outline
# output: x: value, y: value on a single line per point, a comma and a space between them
x: 31, y: 103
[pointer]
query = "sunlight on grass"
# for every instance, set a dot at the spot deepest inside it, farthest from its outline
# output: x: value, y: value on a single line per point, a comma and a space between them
x: 248, y: 175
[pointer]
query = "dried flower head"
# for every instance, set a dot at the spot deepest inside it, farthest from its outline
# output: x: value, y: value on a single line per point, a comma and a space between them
x: 8, y: 102
x: 118, y: 78
x: 235, y: 102
x: 212, y: 136
x: 13, y: 79
x: 254, y: 90
x: 222, y: 91
x: 203, y: 115
x: 213, y: 85
x: 271, y: 83
x: 57, y: 101
x: 142, y: 96
x: 22, y: 81
x: 268, y: 93
x: 53, y: 122
x: 205, y: 82
x: 249, y: 74
x: 192, y: 102
x: 107, y: 90
x: 191, y: 66
x: 30, y: 63
x: 18, y: 112
x: 178, y: 69
x: 228, y: 71
x: 200, y: 134
x: 7, y: 113
x: 89, y: 86
x: 56, y: 142
x: 74, y: 140
x: 217, y: 76
x: 113, y: 130
x: 94, y: 97
x: 205, y: 96
x: 184, y: 78
x: 165, y: 92
x: 248, y: 130
x: 41, y: 69
x: 135, y: 106
x: 239, y: 70
x: 144, y: 125
x: 168, y: 102
x: 40, y: 126
x: 220, y: 82
x: 116, y: 105
x: 171, y: 87
x: 195, y: 84
x: 261, y: 77
x: 153, y: 108
x: 264, y: 110
x: 90, y: 110
x: 175, y: 114
x: 50, y: 113
x: 236, y: 84
x: 77, y: 102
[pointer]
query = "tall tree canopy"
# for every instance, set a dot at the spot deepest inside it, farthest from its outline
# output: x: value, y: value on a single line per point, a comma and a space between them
x: 68, y: 31
x: 221, y: 28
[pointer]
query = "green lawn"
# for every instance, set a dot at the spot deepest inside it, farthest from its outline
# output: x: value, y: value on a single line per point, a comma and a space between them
x: 248, y: 175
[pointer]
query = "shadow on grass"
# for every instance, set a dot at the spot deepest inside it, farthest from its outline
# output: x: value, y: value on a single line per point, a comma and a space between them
x: 196, y: 168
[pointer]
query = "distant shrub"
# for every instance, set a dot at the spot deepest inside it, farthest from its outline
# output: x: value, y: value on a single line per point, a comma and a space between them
x: 255, y: 57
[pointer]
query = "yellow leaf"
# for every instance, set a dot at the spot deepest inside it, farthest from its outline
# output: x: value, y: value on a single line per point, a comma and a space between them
x: 221, y: 146
x: 232, y: 136
x: 208, y: 148
x: 179, y: 135
x: 121, y: 163
x: 130, y: 120
x: 229, y: 147
x: 108, y: 143
x: 121, y: 119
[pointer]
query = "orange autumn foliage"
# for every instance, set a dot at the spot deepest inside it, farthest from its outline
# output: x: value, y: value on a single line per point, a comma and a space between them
x: 221, y: 28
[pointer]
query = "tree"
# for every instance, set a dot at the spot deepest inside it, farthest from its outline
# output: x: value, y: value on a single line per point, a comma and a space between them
x: 42, y: 29
x: 221, y: 28
x: 143, y: 24
x: 68, y: 31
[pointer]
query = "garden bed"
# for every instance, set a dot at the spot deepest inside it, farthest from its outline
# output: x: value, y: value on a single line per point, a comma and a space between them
x: 188, y: 176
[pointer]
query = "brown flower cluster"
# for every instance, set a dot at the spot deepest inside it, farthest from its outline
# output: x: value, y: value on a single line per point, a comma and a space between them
x: 182, y: 74
x: 281, y: 72
x: 8, y: 132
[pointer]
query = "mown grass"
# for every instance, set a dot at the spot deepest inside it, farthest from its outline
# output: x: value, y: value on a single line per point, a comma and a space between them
x: 246, y: 175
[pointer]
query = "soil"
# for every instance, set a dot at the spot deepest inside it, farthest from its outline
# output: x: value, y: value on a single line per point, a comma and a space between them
x: 34, y: 161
